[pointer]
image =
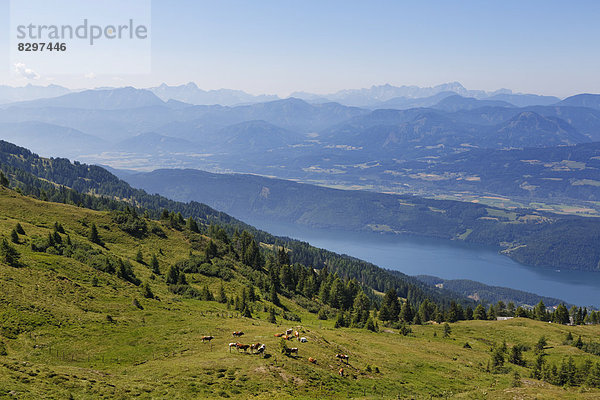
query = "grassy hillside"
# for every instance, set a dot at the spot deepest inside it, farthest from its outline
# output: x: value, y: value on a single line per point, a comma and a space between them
x: 69, y: 329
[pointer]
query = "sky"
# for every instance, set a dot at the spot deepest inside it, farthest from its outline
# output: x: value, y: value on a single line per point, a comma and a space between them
x: 278, y: 47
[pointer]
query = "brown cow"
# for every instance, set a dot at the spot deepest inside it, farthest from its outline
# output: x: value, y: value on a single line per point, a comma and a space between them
x: 312, y: 360
x: 289, y: 331
x: 209, y: 338
x: 278, y: 335
x: 341, y: 372
x: 237, y: 333
x: 242, y: 346
x: 342, y: 357
x: 297, y: 334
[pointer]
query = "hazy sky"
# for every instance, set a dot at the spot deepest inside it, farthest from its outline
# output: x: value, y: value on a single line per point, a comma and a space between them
x: 547, y: 47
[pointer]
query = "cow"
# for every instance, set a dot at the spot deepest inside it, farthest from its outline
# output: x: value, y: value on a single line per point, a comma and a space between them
x: 287, y: 337
x: 342, y: 357
x: 205, y: 338
x: 312, y: 360
x: 278, y: 335
x: 232, y: 345
x: 240, y: 346
x: 341, y: 372
x: 261, y: 349
x: 289, y: 331
x: 237, y: 333
x: 297, y: 335
x: 255, y: 346
x: 288, y: 351
x: 303, y: 340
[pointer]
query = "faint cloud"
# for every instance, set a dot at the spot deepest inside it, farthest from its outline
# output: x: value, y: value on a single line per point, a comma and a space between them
x: 90, y: 75
x: 25, y: 72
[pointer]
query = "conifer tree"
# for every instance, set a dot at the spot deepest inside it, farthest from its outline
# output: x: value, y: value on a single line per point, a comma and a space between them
x: 3, y: 179
x: 271, y: 317
x: 154, y: 265
x: 94, y: 236
x: 14, y: 236
x: 9, y: 254
x: 139, y: 257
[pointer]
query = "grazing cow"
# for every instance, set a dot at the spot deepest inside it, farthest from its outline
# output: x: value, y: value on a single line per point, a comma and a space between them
x: 205, y: 338
x: 261, y: 349
x: 242, y: 346
x: 254, y: 346
x: 278, y: 335
x: 303, y: 340
x: 289, y: 351
x: 289, y: 331
x: 232, y: 345
x: 312, y: 360
x: 297, y: 334
x: 237, y: 333
x: 288, y: 337
x: 342, y: 357
x: 341, y: 372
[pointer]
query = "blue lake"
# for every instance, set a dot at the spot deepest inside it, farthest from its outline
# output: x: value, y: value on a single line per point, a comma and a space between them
x: 449, y: 260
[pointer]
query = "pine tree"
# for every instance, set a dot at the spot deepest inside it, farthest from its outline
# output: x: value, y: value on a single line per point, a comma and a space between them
x: 154, y: 265
x: 447, y: 330
x: 147, y: 292
x: 192, y: 225
x: 322, y: 314
x: 539, y: 346
x: 14, y: 236
x: 139, y: 257
x: 516, y: 381
x: 497, y: 357
x: 164, y: 215
x: 222, y: 294
x: 371, y: 325
x: 3, y: 179
x: 94, y: 236
x: 340, y: 321
x: 390, y: 307
x: 58, y: 228
x: 516, y: 355
x: 274, y: 297
x: 453, y: 314
x: 491, y: 313
x: 538, y: 367
x: 271, y: 317
x: 211, y: 250
x: 9, y: 254
x: 561, y: 315
x: 181, y: 280
x: 173, y: 275
x: 539, y: 311
x: 246, y: 312
x: 19, y: 229
x: 480, y: 312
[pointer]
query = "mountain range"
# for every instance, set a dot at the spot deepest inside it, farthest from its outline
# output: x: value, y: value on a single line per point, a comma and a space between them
x: 328, y: 143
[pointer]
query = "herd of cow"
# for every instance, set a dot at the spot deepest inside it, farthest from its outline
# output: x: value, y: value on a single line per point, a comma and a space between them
x: 288, y: 335
x: 259, y: 348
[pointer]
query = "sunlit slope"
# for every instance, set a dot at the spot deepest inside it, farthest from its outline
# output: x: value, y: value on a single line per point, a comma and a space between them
x: 72, y: 330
